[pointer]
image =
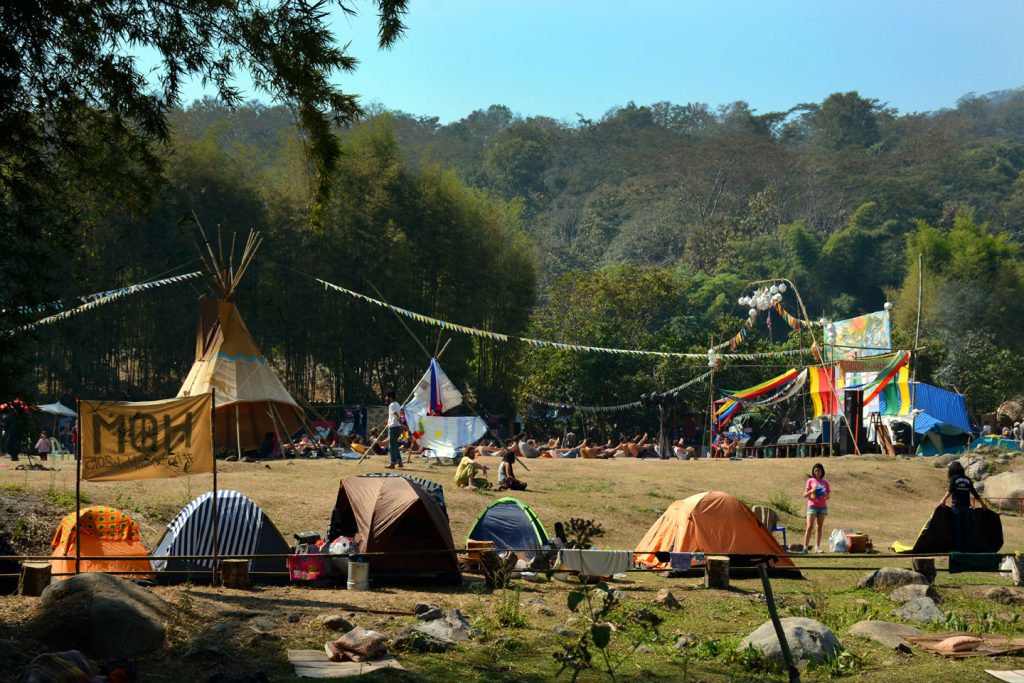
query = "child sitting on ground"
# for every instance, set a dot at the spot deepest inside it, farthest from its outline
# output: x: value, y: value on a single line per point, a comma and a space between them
x: 506, y: 478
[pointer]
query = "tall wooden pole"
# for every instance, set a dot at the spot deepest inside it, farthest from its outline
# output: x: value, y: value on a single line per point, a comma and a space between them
x: 216, y: 537
x: 238, y: 432
x: 711, y: 401
x: 913, y: 357
x: 78, y: 488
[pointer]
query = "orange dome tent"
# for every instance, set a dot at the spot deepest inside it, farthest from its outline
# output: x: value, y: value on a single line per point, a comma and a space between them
x: 105, y: 532
x: 713, y: 523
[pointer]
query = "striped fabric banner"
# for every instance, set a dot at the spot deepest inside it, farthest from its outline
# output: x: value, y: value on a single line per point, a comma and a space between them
x: 239, y: 523
x: 895, y: 398
x: 886, y: 376
x: 727, y: 409
x: 823, y: 394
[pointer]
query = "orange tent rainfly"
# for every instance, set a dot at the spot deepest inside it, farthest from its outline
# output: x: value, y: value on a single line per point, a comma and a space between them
x: 713, y: 523
x: 104, y: 532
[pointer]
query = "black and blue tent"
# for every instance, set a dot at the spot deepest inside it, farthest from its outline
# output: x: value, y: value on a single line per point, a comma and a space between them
x: 512, y: 525
x: 938, y: 415
x: 242, y: 529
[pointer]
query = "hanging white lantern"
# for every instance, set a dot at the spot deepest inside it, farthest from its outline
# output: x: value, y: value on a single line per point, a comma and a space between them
x: 776, y: 298
x: 782, y: 287
x: 888, y: 305
x: 752, y: 312
x: 774, y: 289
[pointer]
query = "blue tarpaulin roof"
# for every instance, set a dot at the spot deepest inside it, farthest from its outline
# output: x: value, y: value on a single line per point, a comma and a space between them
x: 940, y: 409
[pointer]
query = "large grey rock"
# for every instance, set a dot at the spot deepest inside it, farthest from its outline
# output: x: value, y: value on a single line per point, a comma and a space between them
x: 1004, y: 486
x: 943, y: 460
x: 453, y: 627
x: 914, y: 590
x: 977, y: 470
x: 808, y: 640
x: 922, y: 610
x: 1005, y: 595
x: 890, y: 577
x: 666, y: 599
x: 336, y: 622
x: 102, y: 615
x: 413, y: 640
x: 884, y: 632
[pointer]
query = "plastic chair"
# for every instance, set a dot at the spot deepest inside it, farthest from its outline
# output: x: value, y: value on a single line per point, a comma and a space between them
x: 779, y: 527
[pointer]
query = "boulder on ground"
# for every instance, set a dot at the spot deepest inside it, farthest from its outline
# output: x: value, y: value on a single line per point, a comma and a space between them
x: 1005, y: 595
x: 412, y: 640
x: 1004, y: 490
x: 666, y: 599
x: 943, y: 460
x: 808, y: 640
x: 453, y: 627
x: 336, y: 622
x: 884, y: 632
x: 922, y: 610
x: 101, y: 615
x: 891, y: 577
x: 914, y: 590
x: 977, y: 469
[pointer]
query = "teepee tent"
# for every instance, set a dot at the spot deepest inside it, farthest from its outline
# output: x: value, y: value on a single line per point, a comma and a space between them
x: 249, y: 399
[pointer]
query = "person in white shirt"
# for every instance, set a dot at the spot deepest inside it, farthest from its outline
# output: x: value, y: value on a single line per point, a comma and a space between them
x: 394, y: 429
x: 43, y: 446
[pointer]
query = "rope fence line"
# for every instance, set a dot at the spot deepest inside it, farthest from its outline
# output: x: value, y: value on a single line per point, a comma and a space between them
x: 456, y: 551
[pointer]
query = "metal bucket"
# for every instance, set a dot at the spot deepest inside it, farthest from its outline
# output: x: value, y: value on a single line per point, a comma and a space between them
x: 358, y: 576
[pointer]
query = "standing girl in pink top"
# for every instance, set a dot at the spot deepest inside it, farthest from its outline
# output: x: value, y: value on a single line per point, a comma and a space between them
x: 817, y: 492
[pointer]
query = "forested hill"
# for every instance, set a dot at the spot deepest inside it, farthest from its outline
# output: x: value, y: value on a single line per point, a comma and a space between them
x: 695, y: 186
x: 638, y: 230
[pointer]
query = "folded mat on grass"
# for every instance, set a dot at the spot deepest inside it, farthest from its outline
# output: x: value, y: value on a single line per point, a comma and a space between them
x: 314, y: 664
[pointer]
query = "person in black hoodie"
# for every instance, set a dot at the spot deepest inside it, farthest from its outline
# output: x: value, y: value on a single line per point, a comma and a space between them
x: 960, y: 490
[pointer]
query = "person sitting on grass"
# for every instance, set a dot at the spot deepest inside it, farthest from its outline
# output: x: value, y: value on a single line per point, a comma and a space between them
x: 684, y: 452
x: 506, y: 477
x: 528, y: 448
x: 465, y: 474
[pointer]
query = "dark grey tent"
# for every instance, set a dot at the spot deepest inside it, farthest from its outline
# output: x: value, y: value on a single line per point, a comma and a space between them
x: 937, y: 534
x: 242, y: 529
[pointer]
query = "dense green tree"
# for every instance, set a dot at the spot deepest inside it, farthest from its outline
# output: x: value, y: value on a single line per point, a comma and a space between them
x: 84, y: 118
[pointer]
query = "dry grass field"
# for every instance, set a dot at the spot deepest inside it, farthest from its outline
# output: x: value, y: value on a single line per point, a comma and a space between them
x: 888, y: 500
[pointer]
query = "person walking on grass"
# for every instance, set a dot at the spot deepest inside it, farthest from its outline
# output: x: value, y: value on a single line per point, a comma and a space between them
x: 817, y: 492
x: 394, y: 430
x: 961, y: 490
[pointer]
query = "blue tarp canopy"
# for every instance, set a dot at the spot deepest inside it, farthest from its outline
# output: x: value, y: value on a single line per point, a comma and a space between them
x: 940, y: 410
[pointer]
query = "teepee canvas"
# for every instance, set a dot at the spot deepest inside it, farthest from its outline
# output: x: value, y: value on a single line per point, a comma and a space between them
x: 249, y: 399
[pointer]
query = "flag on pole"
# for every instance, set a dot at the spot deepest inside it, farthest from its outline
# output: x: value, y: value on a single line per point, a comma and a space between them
x: 435, y: 391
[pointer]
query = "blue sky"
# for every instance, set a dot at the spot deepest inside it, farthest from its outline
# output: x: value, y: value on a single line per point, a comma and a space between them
x: 559, y: 57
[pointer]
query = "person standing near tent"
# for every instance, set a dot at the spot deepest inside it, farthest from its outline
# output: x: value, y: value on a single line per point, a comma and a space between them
x: 394, y: 429
x: 817, y: 492
x: 961, y: 489
x: 12, y: 438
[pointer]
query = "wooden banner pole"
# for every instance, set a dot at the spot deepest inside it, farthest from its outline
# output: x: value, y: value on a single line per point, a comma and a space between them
x: 78, y: 488
x: 215, y: 574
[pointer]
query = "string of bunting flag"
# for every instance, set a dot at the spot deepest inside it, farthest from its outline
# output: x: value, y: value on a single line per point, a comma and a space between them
x: 97, y: 300
x: 620, y: 407
x: 794, y: 322
x: 540, y: 343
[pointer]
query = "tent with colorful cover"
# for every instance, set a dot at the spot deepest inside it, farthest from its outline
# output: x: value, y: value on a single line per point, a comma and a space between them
x: 103, y: 532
